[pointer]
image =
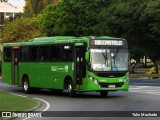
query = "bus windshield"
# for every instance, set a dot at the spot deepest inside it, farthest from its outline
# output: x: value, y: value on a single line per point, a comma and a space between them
x: 109, y: 59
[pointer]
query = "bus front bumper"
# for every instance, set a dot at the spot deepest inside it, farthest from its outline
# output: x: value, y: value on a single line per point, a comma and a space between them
x: 89, y: 85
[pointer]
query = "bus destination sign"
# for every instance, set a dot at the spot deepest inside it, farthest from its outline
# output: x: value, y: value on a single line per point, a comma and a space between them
x: 107, y: 42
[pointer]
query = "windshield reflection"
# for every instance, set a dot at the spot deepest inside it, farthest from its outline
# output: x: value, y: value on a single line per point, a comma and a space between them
x: 109, y: 59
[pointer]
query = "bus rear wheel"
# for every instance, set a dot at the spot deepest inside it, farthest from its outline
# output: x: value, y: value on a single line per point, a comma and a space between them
x: 26, y: 86
x: 103, y: 93
x: 71, y: 91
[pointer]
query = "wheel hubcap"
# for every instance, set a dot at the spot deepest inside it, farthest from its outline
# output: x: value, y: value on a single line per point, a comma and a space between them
x: 25, y: 85
x: 69, y: 88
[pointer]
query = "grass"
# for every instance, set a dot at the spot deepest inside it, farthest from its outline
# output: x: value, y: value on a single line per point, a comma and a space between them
x: 10, y: 102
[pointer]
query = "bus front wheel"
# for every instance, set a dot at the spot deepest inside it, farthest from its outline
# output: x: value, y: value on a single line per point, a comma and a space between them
x: 26, y: 86
x: 71, y: 91
x: 103, y: 93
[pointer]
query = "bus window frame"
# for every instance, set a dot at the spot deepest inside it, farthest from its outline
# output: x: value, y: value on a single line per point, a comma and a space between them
x: 49, y: 53
x: 4, y: 56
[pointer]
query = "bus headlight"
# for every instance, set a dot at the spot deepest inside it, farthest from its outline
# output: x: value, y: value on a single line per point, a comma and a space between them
x: 94, y: 80
x: 91, y: 78
x: 126, y: 80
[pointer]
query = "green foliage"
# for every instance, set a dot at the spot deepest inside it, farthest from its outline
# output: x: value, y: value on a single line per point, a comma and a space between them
x: 137, y: 21
x: 70, y: 17
x: 34, y: 7
x: 150, y: 20
x: 22, y: 29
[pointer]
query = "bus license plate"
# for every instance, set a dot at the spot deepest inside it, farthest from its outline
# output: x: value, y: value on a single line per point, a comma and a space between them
x: 111, y: 86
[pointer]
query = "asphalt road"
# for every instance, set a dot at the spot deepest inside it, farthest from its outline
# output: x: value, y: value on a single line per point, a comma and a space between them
x: 143, y: 95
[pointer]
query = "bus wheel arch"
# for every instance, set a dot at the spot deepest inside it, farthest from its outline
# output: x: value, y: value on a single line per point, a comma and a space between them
x: 26, y: 84
x: 68, y: 84
x: 66, y: 81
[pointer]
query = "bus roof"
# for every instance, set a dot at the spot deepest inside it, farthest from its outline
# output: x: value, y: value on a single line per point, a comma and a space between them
x: 59, y: 39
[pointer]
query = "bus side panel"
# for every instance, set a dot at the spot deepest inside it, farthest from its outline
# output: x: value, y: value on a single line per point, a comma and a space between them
x: 6, y: 72
x: 46, y: 74
x: 60, y: 71
x: 39, y: 74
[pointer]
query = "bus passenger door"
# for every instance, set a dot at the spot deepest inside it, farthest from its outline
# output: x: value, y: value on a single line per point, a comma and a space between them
x: 15, y: 65
x: 80, y: 65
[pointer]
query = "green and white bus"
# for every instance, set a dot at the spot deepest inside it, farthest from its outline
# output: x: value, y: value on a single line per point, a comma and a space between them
x: 75, y: 64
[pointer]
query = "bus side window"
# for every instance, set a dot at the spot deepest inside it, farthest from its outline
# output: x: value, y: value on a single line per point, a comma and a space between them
x: 70, y: 56
x: 39, y: 56
x: 67, y: 56
x: 7, y: 54
x: 44, y: 55
x: 32, y: 53
x: 55, y: 53
x: 25, y: 54
x: 67, y: 53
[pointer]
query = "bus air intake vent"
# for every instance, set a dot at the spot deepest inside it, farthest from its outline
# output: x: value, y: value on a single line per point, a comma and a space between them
x: 110, y: 75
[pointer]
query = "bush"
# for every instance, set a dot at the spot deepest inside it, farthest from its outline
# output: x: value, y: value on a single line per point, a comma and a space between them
x: 22, y: 29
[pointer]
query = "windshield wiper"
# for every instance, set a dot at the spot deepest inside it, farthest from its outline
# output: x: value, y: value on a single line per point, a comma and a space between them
x: 114, y: 57
x: 116, y: 53
x: 105, y: 57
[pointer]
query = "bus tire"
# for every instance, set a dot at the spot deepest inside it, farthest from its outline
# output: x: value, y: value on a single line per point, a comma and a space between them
x: 71, y: 91
x: 103, y: 93
x: 26, y: 85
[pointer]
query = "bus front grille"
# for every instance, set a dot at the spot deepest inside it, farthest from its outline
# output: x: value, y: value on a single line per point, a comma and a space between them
x: 109, y: 85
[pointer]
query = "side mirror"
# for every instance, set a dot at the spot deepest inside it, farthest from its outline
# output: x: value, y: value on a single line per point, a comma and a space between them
x: 87, y: 56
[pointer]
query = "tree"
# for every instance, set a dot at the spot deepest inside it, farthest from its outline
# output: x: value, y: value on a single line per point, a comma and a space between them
x: 118, y: 19
x: 72, y: 17
x: 22, y: 29
x: 151, y: 21
x: 34, y: 7
x: 138, y: 21
x: 27, y: 9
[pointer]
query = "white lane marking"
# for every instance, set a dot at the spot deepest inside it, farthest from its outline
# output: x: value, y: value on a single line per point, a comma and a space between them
x: 152, y: 93
x: 138, y: 87
x: 135, y: 88
x: 47, y: 103
x: 146, y: 91
x: 154, y: 90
